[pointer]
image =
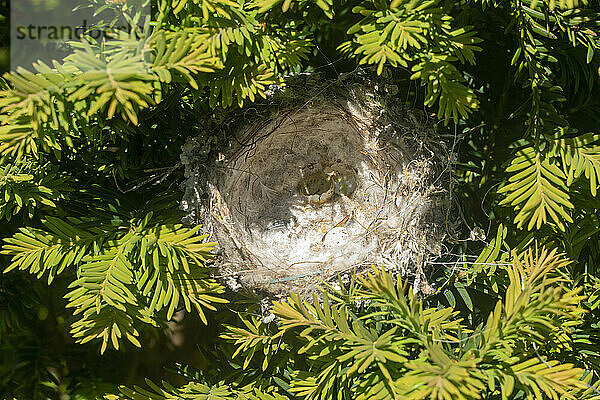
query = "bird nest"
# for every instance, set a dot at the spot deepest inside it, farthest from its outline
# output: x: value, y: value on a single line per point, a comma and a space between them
x: 327, y: 178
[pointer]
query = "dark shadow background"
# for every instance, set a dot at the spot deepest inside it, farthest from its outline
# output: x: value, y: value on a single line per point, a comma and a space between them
x: 4, y: 36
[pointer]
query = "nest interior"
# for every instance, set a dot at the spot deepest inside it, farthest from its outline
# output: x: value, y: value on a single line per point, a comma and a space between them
x: 326, y: 185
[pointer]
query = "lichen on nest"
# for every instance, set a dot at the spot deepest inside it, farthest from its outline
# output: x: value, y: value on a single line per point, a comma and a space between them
x: 327, y: 179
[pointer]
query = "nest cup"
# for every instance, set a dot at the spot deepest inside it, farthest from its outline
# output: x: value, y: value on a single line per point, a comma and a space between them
x: 329, y: 179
